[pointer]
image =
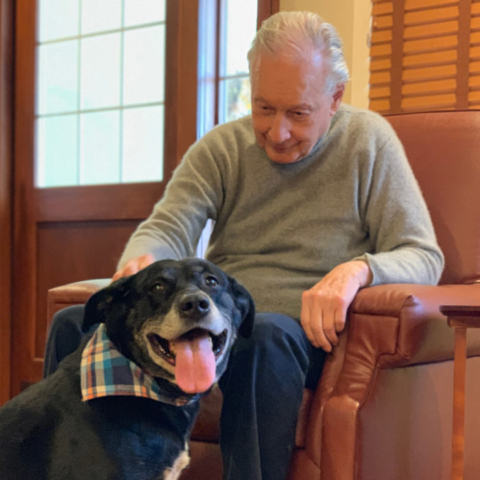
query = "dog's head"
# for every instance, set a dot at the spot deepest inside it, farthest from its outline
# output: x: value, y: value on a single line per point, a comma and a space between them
x: 177, y: 320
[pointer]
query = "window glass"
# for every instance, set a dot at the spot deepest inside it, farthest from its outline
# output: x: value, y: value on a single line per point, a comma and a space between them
x: 57, y: 78
x: 101, y: 15
x: 100, y: 71
x: 57, y: 142
x: 142, y: 144
x: 144, y: 65
x: 97, y: 59
x: 58, y: 19
x: 100, y: 147
x: 238, y: 27
x: 139, y: 12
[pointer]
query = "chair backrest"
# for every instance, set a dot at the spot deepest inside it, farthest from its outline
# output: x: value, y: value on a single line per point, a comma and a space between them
x: 444, y: 151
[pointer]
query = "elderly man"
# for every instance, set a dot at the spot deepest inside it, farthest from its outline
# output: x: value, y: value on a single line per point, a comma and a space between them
x: 312, y: 200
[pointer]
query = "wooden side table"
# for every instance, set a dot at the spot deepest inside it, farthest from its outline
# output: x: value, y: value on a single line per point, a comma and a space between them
x: 460, y: 318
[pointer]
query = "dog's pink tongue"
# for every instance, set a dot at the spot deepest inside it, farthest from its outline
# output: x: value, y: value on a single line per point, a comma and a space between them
x: 195, y: 364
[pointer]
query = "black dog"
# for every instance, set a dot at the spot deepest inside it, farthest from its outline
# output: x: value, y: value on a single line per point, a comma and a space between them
x: 175, y: 320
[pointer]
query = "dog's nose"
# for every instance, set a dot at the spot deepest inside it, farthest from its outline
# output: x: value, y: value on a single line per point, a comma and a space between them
x: 194, y: 305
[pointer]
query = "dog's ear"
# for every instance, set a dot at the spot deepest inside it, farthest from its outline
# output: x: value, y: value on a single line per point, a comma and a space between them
x: 108, y: 301
x: 244, y: 302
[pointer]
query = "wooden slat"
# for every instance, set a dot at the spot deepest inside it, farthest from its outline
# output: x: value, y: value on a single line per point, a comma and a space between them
x: 433, y: 29
x: 379, y: 78
x: 419, y: 4
x: 429, y: 101
x: 381, y: 64
x: 430, y: 16
x: 382, y: 21
x: 419, y: 74
x: 474, y: 96
x: 381, y: 50
x: 425, y: 59
x: 381, y: 36
x: 380, y: 105
x: 430, y: 44
x: 475, y: 23
x: 476, y: 8
x: 474, y: 81
x: 380, y: 92
x: 382, y: 9
x: 475, y: 38
x: 429, y: 87
x: 474, y: 53
x: 474, y: 67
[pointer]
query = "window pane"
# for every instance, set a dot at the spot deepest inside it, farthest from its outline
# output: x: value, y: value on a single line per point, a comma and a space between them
x: 101, y: 15
x: 57, y: 19
x: 234, y: 99
x: 56, y: 162
x: 100, y: 148
x: 100, y: 84
x: 57, y: 77
x: 239, y: 27
x: 138, y: 12
x: 142, y: 144
x: 144, y: 65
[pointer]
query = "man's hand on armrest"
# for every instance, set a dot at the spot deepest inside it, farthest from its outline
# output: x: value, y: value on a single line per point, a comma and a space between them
x: 134, y: 265
x: 324, y: 306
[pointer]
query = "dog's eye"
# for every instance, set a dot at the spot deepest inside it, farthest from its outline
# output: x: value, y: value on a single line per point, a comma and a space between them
x: 158, y: 288
x: 211, y: 281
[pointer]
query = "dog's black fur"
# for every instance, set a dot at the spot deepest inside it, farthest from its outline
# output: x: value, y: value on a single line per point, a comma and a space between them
x: 48, y: 432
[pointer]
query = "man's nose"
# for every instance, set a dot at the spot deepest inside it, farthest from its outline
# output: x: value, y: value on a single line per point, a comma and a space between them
x: 280, y: 130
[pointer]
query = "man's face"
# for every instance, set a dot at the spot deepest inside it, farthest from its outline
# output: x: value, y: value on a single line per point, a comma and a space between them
x: 291, y: 110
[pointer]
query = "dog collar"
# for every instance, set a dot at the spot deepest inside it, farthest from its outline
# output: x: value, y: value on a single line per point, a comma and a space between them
x: 104, y: 372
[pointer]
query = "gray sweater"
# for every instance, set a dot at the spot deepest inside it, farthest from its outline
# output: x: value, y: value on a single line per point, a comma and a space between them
x: 280, y: 228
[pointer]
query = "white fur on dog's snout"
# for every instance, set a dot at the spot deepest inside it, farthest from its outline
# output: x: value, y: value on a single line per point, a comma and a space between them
x: 195, y: 363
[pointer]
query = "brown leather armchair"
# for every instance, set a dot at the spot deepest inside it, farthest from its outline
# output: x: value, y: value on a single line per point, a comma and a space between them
x: 383, y: 408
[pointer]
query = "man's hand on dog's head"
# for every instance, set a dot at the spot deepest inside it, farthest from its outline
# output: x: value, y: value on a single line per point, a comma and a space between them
x: 133, y: 266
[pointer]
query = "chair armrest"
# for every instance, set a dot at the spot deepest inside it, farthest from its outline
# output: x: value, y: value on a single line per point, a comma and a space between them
x: 72, y: 294
x: 388, y: 326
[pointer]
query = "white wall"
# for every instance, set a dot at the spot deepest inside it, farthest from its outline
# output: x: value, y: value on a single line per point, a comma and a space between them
x: 352, y: 20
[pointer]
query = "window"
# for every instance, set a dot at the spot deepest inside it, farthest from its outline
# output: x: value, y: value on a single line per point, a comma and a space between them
x: 238, y: 27
x: 100, y: 91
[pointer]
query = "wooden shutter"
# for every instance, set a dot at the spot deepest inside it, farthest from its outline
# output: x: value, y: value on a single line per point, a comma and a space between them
x: 425, y: 55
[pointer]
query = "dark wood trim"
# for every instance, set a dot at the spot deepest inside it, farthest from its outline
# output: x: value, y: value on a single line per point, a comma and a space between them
x: 133, y: 201
x: 266, y: 8
x: 7, y: 15
x: 463, y: 49
x: 181, y: 80
x: 24, y: 238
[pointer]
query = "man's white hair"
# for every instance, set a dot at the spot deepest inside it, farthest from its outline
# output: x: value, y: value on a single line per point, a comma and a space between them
x: 302, y: 35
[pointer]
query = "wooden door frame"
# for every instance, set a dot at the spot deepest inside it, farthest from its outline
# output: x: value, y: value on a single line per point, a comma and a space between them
x: 33, y: 206
x: 6, y: 190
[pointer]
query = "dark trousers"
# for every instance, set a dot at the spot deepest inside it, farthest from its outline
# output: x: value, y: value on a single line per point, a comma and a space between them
x: 262, y: 390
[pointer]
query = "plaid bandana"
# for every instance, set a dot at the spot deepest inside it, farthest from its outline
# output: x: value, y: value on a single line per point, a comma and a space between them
x: 104, y: 371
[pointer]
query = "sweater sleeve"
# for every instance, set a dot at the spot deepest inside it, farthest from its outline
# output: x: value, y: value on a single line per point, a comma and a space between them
x: 405, y: 249
x: 193, y: 195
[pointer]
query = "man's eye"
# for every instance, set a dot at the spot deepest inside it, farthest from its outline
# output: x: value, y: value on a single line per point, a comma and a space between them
x: 158, y: 288
x: 211, y: 281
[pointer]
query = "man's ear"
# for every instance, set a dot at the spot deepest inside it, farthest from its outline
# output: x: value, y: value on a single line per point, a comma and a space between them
x: 108, y: 301
x: 244, y: 302
x: 337, y: 98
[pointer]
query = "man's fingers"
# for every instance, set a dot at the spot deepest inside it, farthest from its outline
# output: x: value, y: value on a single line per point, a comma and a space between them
x: 340, y: 318
x: 134, y: 265
x: 305, y: 318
